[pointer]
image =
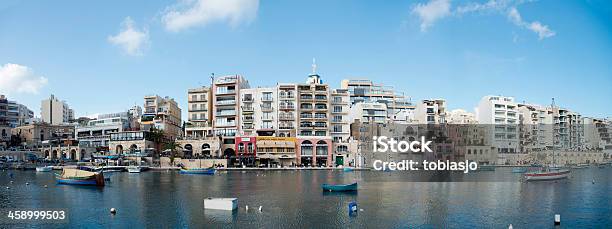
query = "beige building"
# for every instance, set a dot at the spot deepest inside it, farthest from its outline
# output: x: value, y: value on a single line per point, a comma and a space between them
x: 55, y: 112
x: 278, y: 151
x: 37, y: 134
x: 431, y: 111
x: 163, y: 114
x: 209, y: 147
x: 199, y: 113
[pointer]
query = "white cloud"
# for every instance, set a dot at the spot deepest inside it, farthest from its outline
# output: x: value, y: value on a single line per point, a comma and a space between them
x: 202, y: 12
x: 132, y: 40
x: 542, y: 30
x: 432, y: 11
x: 20, y: 79
x: 435, y: 10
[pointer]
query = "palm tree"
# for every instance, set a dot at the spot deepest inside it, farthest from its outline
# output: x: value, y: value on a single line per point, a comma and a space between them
x: 172, y: 146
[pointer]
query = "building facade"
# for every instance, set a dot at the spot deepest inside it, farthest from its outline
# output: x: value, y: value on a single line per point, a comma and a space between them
x: 199, y: 114
x: 55, y: 112
x: 163, y: 114
x: 501, y: 115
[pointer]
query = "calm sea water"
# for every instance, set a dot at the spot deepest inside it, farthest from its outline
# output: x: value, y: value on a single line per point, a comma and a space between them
x: 293, y: 199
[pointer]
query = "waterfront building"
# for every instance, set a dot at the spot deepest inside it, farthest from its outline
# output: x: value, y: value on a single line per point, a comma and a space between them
x: 246, y: 150
x: 199, y: 113
x: 314, y: 150
x: 460, y: 116
x: 399, y: 108
x: 369, y: 113
x: 275, y: 151
x: 535, y: 127
x: 200, y: 147
x: 163, y: 114
x: 259, y: 111
x: 68, y: 150
x: 55, y: 112
x: 501, y: 115
x: 13, y: 114
x: 226, y: 94
x: 431, y: 111
x: 340, y: 125
x: 96, y: 132
x: 568, y: 125
x: 597, y: 134
x: 137, y: 142
x: 39, y: 134
x: 287, y: 110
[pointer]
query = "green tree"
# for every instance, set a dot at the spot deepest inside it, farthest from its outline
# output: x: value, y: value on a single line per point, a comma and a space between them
x: 172, y: 146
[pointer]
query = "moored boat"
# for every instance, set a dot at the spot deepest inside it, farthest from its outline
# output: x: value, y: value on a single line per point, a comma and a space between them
x: 347, y: 169
x: 339, y: 187
x: 134, y: 169
x: 203, y: 171
x: 80, y: 177
x: 485, y: 168
x: 544, y: 175
x: 44, y: 169
x: 519, y: 170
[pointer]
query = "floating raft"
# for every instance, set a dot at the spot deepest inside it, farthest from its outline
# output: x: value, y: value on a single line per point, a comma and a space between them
x: 339, y: 187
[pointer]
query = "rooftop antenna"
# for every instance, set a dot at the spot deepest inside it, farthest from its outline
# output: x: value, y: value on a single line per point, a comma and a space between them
x: 314, y: 66
x: 212, y: 78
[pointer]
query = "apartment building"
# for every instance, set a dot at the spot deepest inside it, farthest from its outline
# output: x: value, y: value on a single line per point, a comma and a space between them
x: 162, y: 113
x: 501, y: 114
x: 399, y: 107
x: 225, y: 108
x: 367, y: 113
x: 569, y: 126
x: 259, y: 111
x: 287, y: 110
x: 38, y: 134
x: 535, y: 127
x: 199, y: 113
x: 431, y: 111
x: 55, y: 112
x: 597, y: 134
x: 13, y: 114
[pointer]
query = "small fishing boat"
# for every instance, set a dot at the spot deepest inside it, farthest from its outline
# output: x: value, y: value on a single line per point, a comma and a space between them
x: 485, y: 168
x: 519, y: 170
x: 203, y: 171
x: 339, y: 187
x: 347, y: 169
x: 134, y: 169
x: 544, y: 175
x: 44, y: 169
x: 80, y: 177
x: 580, y: 166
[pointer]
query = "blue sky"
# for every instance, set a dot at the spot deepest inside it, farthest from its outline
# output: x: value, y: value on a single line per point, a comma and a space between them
x: 104, y: 56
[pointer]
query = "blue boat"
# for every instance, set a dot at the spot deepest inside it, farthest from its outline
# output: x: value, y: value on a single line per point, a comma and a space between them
x: 519, y: 170
x: 203, y: 171
x: 347, y: 169
x: 339, y: 187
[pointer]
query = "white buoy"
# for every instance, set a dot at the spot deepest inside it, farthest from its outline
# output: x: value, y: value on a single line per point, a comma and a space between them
x: 11, y: 182
x: 260, y: 208
x: 361, y: 209
x: 557, y: 219
x: 593, y: 181
x: 510, y: 227
x: 7, y: 187
x: 27, y: 183
x: 113, y: 211
x: 246, y: 208
x: 46, y: 186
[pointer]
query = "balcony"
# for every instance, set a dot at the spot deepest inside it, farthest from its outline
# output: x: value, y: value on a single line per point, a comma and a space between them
x: 287, y: 96
x: 226, y: 102
x: 287, y: 107
x: 320, y: 116
x: 247, y: 119
x: 320, y: 97
x: 306, y: 107
x: 248, y: 99
x: 321, y: 107
x: 285, y: 117
x: 266, y: 108
x: 305, y: 97
x: 266, y: 99
x: 306, y: 116
x: 225, y: 124
x: 267, y: 118
x: 286, y: 127
x: 247, y: 109
x: 225, y: 92
x: 248, y: 126
x: 226, y: 113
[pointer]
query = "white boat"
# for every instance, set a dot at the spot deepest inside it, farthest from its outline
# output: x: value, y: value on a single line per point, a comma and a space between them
x: 552, y: 174
x: 134, y: 169
x: 228, y: 204
x: 44, y: 169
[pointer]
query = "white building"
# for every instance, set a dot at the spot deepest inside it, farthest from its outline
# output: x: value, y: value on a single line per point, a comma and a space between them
x: 399, y: 108
x: 97, y: 132
x: 259, y: 111
x: 501, y: 113
x: 55, y: 112
x: 368, y: 113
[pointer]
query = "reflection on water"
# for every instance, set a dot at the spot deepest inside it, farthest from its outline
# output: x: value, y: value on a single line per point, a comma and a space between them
x: 295, y: 199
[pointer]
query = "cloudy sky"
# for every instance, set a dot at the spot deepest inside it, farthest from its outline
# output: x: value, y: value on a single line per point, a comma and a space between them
x: 104, y: 56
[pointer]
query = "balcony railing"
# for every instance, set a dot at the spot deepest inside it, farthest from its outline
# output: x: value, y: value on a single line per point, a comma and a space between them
x: 266, y: 108
x: 247, y: 108
x: 226, y: 102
